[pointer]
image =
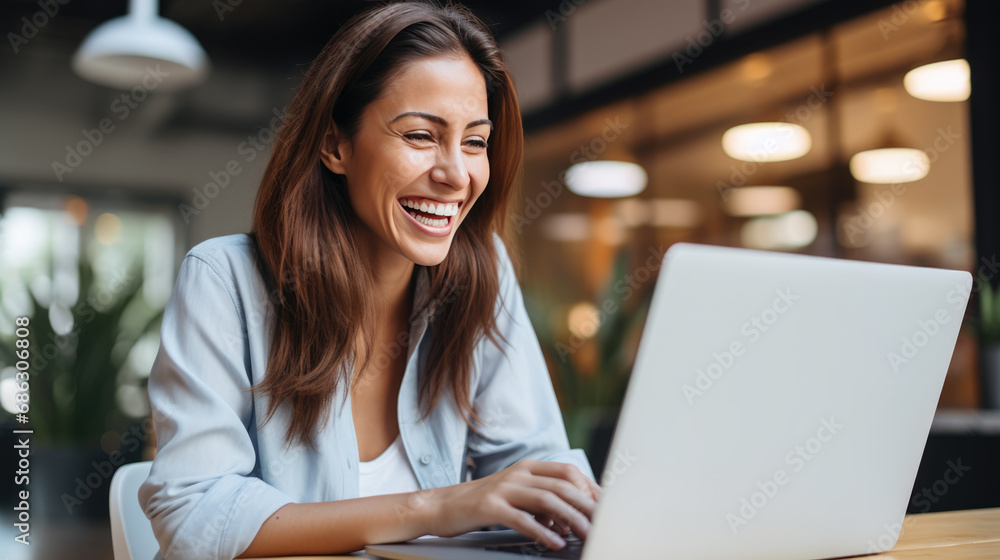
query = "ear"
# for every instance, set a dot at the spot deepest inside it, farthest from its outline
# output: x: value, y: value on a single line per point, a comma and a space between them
x: 333, y: 150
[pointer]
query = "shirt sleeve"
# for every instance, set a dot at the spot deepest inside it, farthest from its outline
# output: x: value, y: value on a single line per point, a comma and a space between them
x: 201, y: 496
x: 514, y: 395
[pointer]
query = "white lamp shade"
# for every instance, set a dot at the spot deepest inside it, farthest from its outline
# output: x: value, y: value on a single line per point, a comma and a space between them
x: 940, y: 81
x: 766, y: 141
x: 890, y: 165
x: 124, y: 51
x: 606, y: 179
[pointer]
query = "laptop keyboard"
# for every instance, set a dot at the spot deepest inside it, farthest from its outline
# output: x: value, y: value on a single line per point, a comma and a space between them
x: 573, y: 549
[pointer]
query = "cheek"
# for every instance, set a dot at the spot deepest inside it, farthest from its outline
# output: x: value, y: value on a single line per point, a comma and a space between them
x: 481, y: 178
x: 411, y: 163
x: 480, y: 175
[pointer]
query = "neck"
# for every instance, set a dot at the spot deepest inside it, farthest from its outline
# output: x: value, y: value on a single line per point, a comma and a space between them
x: 393, y: 276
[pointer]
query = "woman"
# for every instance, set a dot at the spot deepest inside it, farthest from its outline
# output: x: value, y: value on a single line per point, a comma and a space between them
x: 376, y: 292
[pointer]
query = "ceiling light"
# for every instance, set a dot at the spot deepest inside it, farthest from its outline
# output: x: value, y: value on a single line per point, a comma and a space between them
x: 606, y: 179
x: 935, y: 10
x: 756, y: 68
x: 890, y: 165
x: 941, y: 81
x: 761, y: 201
x: 766, y: 141
x: 583, y: 320
x: 122, y: 52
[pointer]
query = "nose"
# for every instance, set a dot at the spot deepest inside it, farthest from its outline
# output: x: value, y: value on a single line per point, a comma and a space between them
x: 449, y: 167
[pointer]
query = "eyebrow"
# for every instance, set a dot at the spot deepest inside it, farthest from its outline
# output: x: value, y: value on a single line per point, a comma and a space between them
x: 439, y: 120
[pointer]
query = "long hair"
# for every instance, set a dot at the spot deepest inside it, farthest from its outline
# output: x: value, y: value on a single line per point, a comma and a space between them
x: 305, y: 230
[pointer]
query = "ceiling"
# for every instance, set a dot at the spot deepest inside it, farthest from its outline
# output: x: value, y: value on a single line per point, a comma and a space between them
x: 271, y: 32
x: 258, y: 52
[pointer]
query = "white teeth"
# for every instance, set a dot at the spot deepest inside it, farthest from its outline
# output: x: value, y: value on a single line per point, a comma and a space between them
x: 441, y: 209
x: 433, y: 223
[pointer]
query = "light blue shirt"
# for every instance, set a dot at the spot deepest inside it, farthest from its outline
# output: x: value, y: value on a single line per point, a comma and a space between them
x: 218, y: 475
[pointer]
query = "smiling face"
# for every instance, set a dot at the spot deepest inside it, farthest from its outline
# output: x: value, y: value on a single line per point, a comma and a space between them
x: 418, y: 161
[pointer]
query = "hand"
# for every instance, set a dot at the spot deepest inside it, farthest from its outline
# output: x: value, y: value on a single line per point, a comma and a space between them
x: 528, y: 496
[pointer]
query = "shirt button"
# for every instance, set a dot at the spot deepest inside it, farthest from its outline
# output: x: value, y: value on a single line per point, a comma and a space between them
x: 426, y: 459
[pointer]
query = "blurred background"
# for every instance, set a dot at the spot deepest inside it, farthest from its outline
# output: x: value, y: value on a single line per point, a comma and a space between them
x: 854, y: 129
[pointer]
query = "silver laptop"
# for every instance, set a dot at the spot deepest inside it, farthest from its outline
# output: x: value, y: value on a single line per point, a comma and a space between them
x: 778, y: 408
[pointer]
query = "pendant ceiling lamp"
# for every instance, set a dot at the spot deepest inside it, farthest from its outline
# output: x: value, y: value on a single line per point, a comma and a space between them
x: 617, y: 174
x: 947, y: 80
x: 124, y: 52
x: 766, y: 141
x: 891, y: 162
x: 890, y: 165
x: 947, y: 77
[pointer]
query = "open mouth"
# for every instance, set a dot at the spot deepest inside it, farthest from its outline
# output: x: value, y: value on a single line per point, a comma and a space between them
x: 434, y: 215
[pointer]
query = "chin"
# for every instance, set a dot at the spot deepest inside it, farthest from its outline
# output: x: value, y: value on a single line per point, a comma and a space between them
x: 428, y: 256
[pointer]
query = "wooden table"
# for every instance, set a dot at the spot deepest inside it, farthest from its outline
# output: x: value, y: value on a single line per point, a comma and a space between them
x: 952, y: 535
x: 955, y: 535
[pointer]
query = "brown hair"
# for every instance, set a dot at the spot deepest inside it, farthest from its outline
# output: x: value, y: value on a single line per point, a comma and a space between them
x: 304, y: 226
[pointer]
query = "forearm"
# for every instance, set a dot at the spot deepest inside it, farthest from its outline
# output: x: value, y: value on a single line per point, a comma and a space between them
x: 343, y: 526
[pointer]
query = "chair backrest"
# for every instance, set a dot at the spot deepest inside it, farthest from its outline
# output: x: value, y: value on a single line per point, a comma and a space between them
x: 131, y: 534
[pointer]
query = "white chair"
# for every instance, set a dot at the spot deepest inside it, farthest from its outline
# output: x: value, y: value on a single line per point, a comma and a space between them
x: 131, y: 534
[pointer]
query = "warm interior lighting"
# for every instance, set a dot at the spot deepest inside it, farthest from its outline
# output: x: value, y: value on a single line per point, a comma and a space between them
x: 940, y: 81
x: 756, y: 67
x: 761, y: 201
x: 935, y: 10
x: 766, y: 141
x: 76, y: 209
x: 583, y: 319
x: 606, y: 179
x: 107, y: 228
x: 124, y: 51
x: 791, y: 230
x: 890, y: 165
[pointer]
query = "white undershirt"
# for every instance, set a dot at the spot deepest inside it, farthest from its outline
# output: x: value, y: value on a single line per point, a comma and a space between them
x: 389, y: 473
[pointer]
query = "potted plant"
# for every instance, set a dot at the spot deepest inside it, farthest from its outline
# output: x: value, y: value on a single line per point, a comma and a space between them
x: 591, y: 375
x: 81, y: 434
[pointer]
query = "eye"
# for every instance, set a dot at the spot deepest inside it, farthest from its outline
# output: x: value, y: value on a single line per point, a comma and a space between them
x: 419, y: 136
x: 479, y: 143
